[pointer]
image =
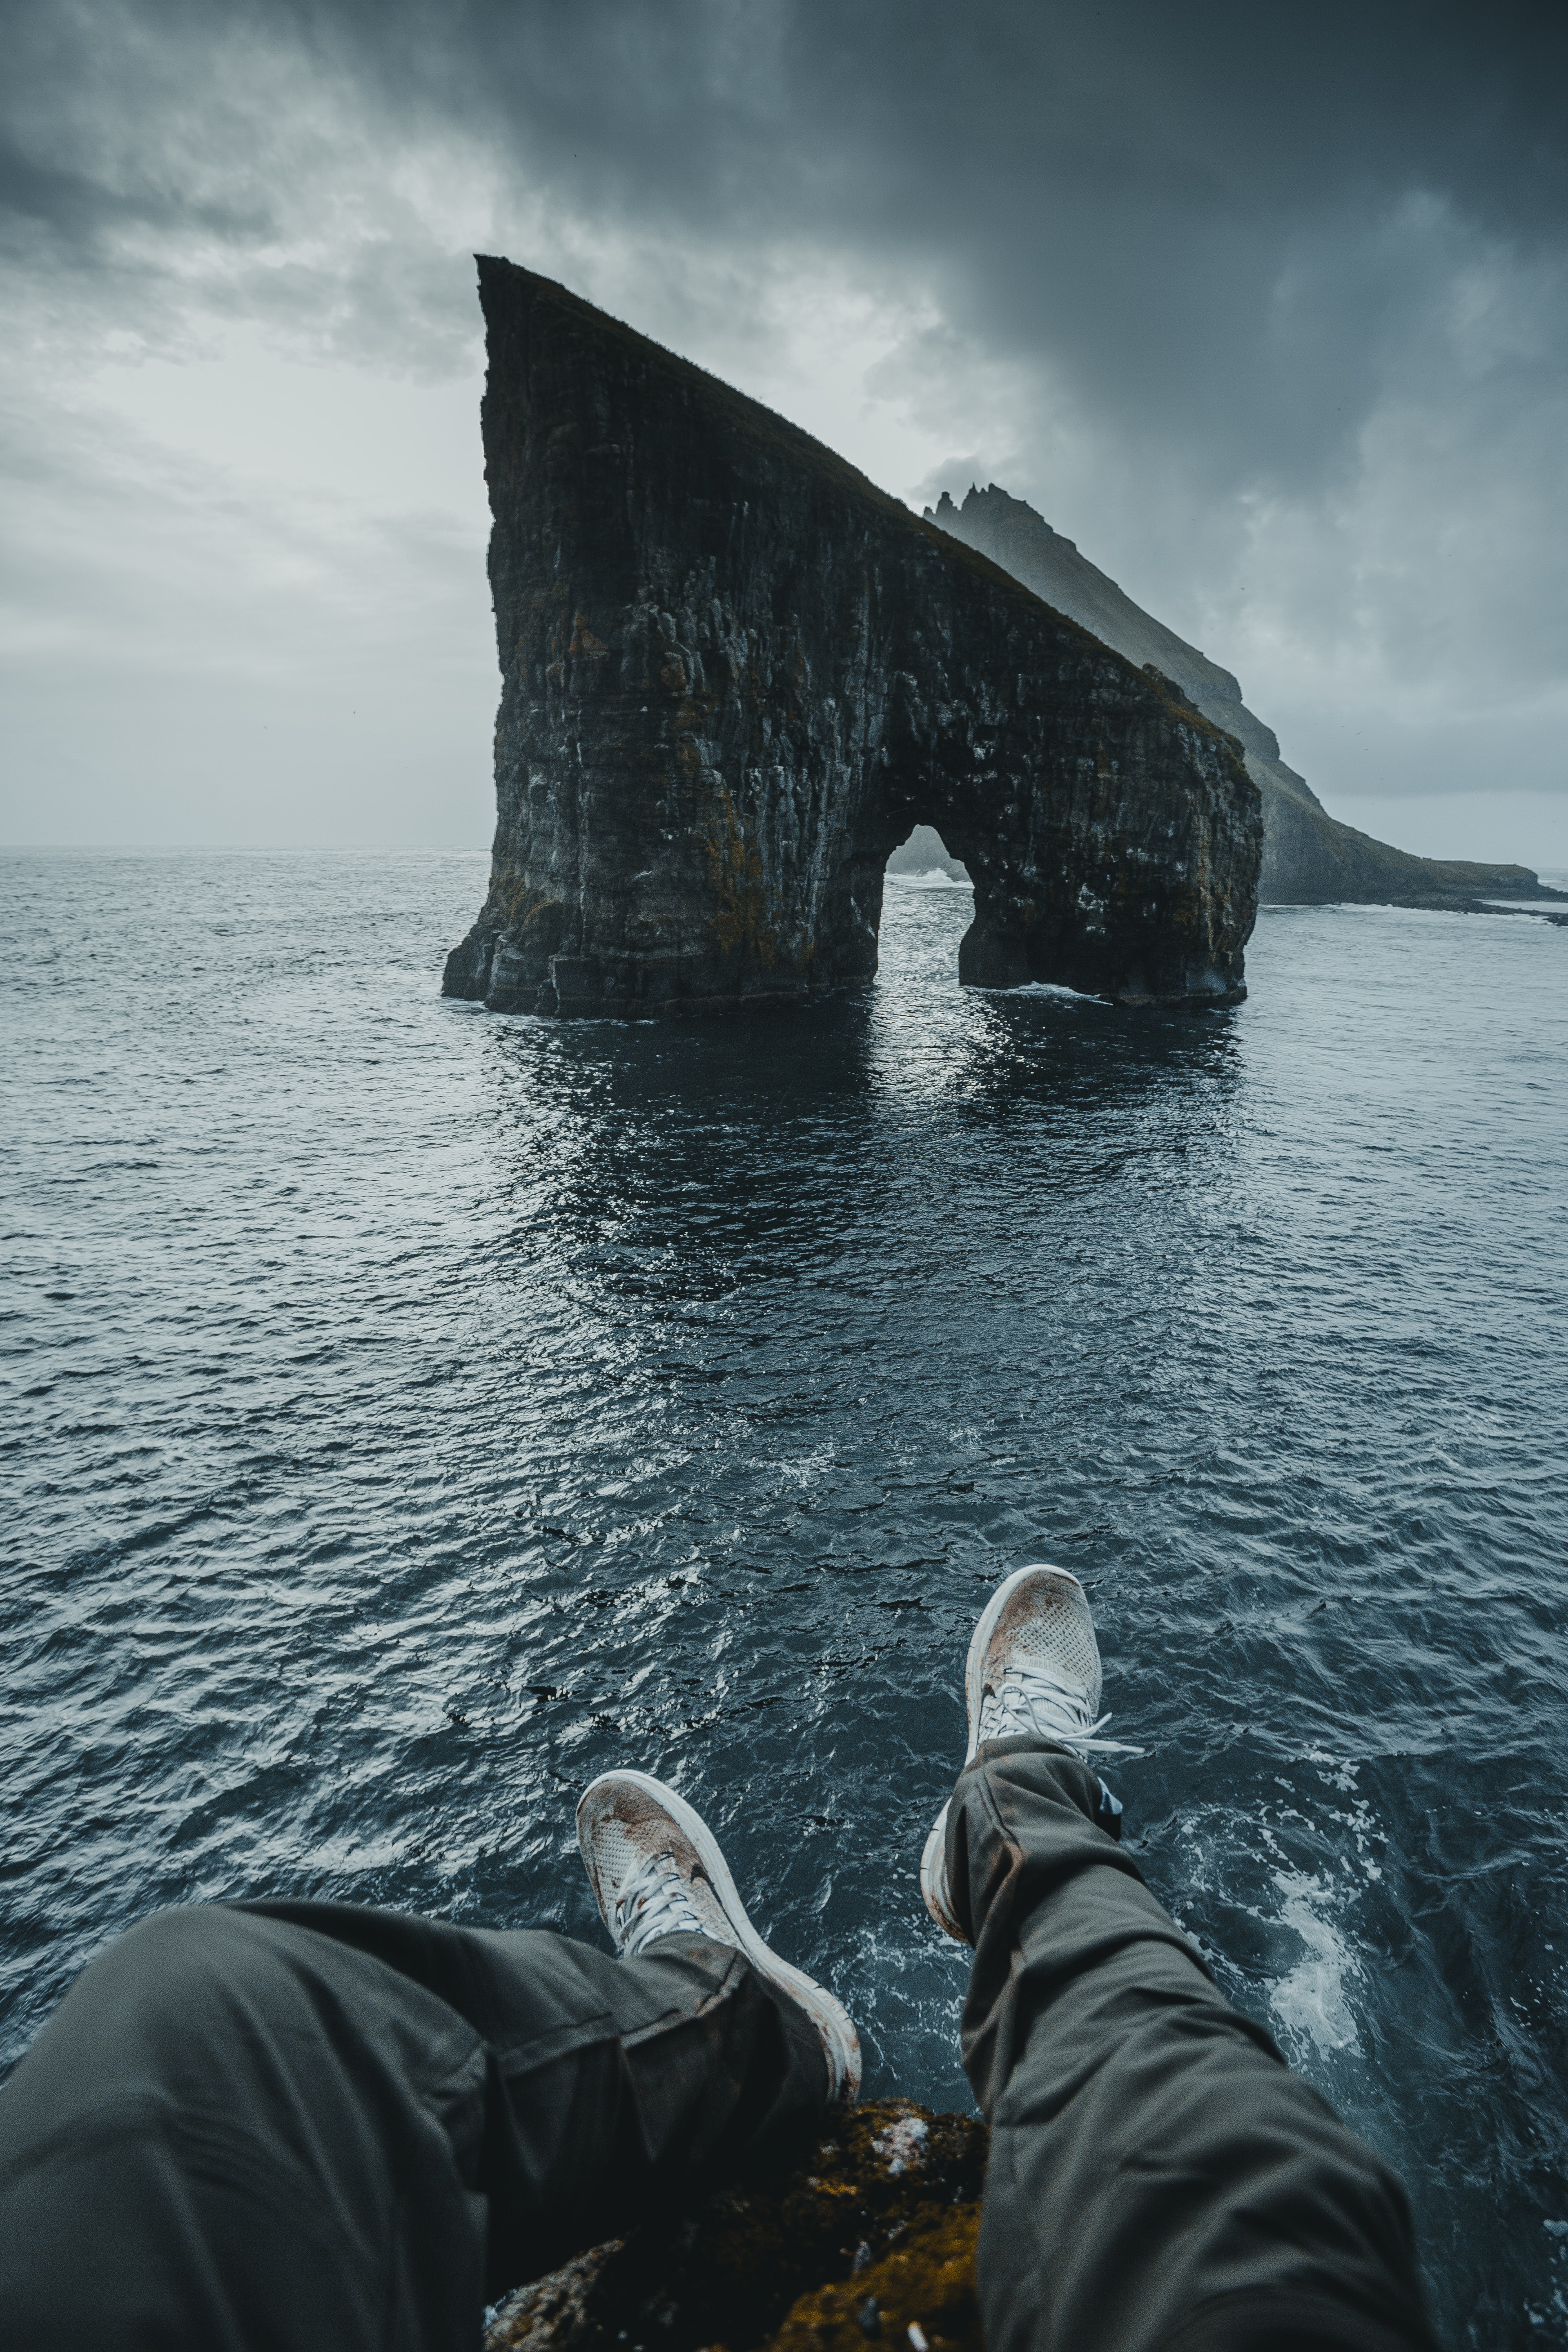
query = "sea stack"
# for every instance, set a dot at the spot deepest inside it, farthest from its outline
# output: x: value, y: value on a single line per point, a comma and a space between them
x: 735, y: 674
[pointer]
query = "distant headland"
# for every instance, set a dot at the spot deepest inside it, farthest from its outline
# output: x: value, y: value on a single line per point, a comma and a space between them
x: 1309, y: 858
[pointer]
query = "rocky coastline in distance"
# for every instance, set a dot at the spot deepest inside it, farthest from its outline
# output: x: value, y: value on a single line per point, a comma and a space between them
x: 1309, y: 858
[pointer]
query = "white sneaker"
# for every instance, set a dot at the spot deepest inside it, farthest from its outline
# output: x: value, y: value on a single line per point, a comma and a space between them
x: 1033, y: 1667
x: 656, y: 1870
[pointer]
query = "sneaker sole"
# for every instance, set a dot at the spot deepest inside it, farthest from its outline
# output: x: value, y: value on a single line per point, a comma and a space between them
x: 831, y: 2019
x: 934, y: 1860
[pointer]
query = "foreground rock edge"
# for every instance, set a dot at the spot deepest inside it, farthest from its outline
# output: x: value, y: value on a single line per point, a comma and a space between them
x: 873, y: 2229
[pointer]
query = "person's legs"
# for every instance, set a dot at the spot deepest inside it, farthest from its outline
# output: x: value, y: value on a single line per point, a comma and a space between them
x: 1159, y: 2180
x: 291, y: 2124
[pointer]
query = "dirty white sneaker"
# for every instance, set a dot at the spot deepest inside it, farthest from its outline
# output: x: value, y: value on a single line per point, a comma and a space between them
x: 656, y: 1870
x: 1033, y: 1667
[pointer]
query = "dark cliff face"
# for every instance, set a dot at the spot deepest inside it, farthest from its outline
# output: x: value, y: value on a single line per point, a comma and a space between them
x: 735, y: 675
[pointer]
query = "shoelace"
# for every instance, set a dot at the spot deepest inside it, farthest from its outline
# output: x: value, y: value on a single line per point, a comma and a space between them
x: 1031, y: 1699
x: 654, y: 1901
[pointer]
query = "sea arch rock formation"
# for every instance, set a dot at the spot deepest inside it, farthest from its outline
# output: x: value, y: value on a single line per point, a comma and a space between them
x: 735, y: 674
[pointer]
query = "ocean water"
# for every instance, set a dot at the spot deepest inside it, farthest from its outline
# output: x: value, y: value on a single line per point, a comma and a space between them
x: 410, y: 1412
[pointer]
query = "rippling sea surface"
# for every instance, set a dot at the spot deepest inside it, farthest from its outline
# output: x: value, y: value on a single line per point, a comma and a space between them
x: 409, y: 1413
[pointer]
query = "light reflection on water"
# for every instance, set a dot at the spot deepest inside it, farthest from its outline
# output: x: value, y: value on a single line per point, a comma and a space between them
x: 412, y: 1413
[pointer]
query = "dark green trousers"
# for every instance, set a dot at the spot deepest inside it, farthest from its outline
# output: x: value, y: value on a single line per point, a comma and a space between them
x: 274, y: 2127
x: 1159, y: 2180
x: 309, y: 2127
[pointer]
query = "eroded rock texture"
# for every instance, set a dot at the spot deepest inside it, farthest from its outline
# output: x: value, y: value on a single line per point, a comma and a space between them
x: 735, y: 675
x: 874, y: 2228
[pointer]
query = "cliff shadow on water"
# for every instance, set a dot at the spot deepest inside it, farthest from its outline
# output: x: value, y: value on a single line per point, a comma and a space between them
x: 735, y: 674
x: 797, y: 1126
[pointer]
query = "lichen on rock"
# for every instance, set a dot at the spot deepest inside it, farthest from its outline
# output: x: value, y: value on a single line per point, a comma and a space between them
x: 926, y: 2285
x: 871, y: 2231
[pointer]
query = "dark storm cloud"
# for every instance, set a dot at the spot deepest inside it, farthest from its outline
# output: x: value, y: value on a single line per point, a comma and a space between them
x: 1270, y: 306
x: 943, y: 108
x: 1190, y: 211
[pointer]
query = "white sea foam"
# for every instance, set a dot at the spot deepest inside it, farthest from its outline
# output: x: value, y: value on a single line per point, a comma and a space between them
x: 1045, y: 987
x: 1311, y: 2000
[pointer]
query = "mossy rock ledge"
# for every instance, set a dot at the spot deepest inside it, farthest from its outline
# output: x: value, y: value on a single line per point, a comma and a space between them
x: 868, y: 2240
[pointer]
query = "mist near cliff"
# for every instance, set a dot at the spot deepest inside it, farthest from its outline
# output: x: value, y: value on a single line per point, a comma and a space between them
x: 1272, y: 319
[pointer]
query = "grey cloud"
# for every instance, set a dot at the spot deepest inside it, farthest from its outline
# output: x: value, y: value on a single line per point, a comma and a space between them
x: 1200, y: 219
x: 1268, y: 307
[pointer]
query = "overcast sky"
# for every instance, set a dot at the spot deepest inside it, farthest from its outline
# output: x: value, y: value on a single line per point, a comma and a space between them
x: 1267, y: 309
